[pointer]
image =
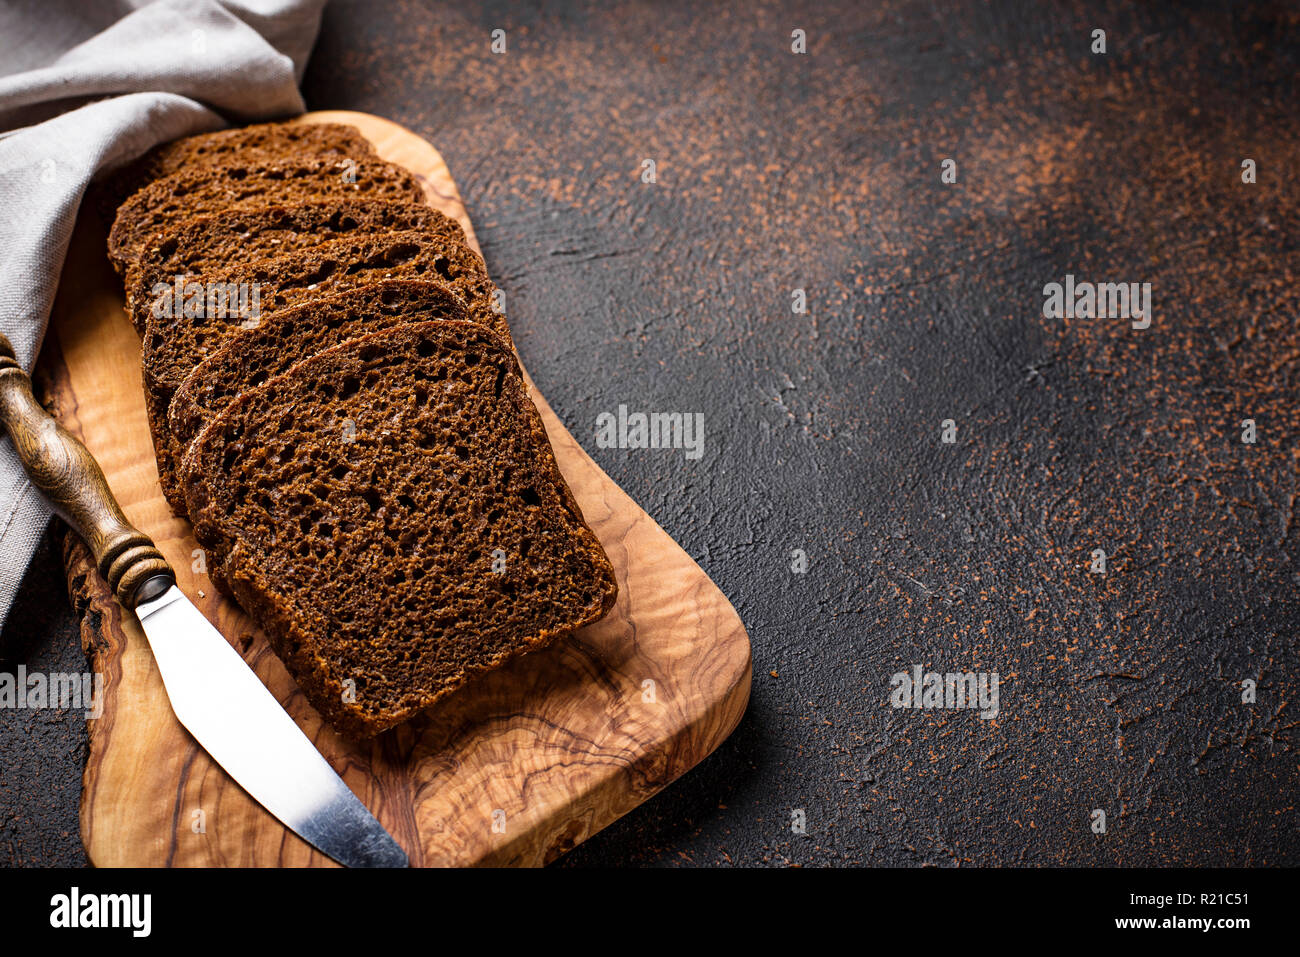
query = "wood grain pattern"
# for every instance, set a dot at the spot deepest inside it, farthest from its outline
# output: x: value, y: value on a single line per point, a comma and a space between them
x: 516, y: 769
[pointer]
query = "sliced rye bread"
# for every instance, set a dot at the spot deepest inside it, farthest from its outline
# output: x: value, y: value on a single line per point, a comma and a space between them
x: 174, y: 344
x: 195, y: 190
x: 391, y: 513
x: 251, y: 357
x: 265, y: 142
x: 211, y: 242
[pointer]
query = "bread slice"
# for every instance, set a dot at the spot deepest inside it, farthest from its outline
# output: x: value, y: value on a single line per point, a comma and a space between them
x: 195, y: 190
x: 175, y: 343
x: 361, y: 502
x: 214, y: 241
x: 251, y: 357
x: 270, y: 142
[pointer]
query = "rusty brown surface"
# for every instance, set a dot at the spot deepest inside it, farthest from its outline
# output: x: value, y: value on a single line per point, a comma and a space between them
x: 821, y: 171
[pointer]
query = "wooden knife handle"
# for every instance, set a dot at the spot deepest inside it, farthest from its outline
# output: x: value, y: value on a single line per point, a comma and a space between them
x: 65, y: 471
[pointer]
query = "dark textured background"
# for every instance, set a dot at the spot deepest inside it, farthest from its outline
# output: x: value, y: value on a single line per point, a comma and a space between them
x: 821, y: 172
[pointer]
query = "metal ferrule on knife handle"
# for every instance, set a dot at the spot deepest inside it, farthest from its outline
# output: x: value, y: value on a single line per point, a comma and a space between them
x: 70, y: 478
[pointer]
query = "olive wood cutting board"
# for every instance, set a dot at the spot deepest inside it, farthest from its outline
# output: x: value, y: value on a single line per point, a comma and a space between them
x: 515, y: 769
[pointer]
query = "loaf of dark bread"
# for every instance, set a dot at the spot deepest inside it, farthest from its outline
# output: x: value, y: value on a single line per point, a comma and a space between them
x: 174, y: 343
x: 391, y: 513
x: 214, y: 241
x: 264, y: 142
x: 203, y: 188
x: 251, y: 357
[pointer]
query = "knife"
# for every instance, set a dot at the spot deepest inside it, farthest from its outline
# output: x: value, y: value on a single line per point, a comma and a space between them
x: 214, y: 693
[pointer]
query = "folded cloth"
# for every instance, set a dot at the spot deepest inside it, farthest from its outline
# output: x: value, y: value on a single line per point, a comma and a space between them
x: 85, y: 88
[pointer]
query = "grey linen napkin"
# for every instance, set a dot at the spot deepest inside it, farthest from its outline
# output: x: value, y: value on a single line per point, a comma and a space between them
x: 85, y: 87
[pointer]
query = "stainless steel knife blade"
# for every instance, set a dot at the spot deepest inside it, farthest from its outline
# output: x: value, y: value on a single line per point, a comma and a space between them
x: 220, y: 701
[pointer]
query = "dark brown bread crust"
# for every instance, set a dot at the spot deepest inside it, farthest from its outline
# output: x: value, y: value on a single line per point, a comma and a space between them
x: 175, y: 344
x: 251, y: 357
x: 195, y: 190
x: 214, y: 241
x: 366, y: 550
x: 265, y: 142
